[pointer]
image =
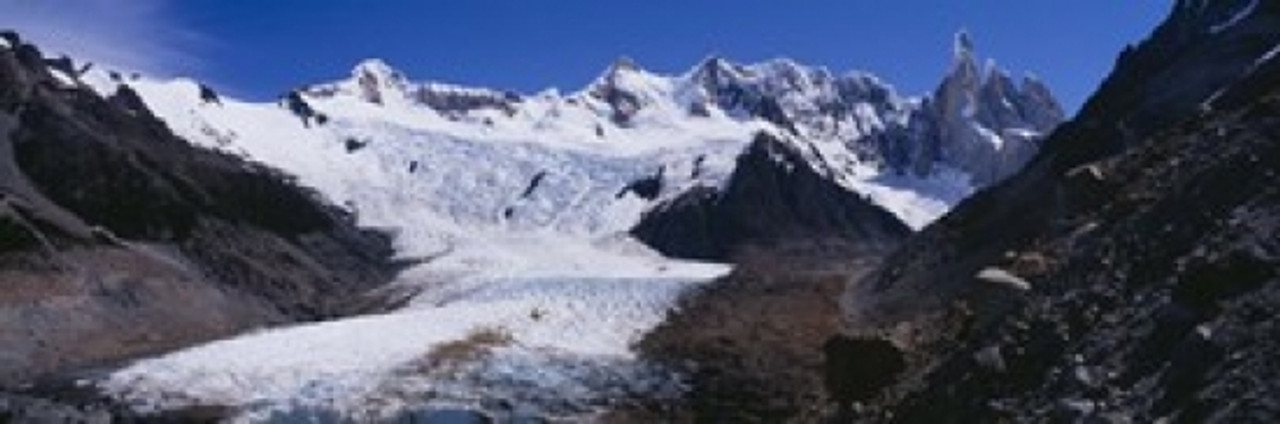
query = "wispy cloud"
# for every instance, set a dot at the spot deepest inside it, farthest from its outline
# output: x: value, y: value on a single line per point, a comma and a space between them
x: 129, y: 34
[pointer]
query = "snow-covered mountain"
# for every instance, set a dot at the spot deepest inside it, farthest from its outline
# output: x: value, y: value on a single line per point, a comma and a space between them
x: 523, y: 206
x: 915, y: 156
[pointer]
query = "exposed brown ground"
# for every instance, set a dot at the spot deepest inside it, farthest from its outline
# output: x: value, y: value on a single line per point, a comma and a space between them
x: 752, y: 342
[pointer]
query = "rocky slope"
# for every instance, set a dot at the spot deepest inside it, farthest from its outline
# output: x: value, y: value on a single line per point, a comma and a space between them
x: 1128, y: 273
x: 751, y: 344
x: 118, y: 238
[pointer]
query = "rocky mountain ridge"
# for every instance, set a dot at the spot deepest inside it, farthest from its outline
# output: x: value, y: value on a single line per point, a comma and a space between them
x: 118, y: 238
x: 978, y: 120
x: 1126, y: 274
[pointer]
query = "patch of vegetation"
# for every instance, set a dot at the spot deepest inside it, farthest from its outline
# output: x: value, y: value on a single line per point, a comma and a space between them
x: 477, y: 345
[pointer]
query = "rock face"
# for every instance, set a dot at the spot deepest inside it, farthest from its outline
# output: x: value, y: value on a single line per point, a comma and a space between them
x: 981, y: 121
x: 774, y: 197
x: 121, y: 239
x: 1145, y: 231
x: 612, y: 90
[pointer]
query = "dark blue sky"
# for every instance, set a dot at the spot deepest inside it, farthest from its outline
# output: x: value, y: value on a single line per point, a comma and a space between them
x: 261, y: 48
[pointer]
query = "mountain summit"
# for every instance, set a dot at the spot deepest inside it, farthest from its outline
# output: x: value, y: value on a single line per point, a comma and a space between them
x: 375, y: 77
x: 984, y: 123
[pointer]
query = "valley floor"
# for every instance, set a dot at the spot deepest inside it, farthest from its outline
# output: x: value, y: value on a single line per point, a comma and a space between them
x: 552, y: 341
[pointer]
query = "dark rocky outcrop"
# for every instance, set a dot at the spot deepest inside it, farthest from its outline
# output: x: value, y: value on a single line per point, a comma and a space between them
x: 1145, y: 231
x: 62, y: 64
x: 533, y: 184
x: 296, y: 104
x: 10, y: 37
x: 453, y: 102
x: 624, y: 104
x: 858, y: 368
x: 353, y: 145
x: 120, y: 239
x: 773, y: 197
x: 209, y: 96
x: 648, y: 188
x: 128, y: 100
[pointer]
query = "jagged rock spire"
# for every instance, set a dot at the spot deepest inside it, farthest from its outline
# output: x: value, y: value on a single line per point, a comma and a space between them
x: 985, y: 122
x: 962, y: 47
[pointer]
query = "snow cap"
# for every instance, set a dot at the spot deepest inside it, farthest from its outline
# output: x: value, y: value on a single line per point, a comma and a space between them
x: 378, y: 69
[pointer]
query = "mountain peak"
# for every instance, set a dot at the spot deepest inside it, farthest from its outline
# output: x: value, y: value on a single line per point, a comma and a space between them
x: 374, y: 76
x: 992, y: 70
x: 714, y: 70
x: 624, y: 63
x: 977, y: 101
x: 964, y: 59
x: 377, y: 68
x: 962, y: 47
x: 622, y: 68
x: 783, y: 66
x: 714, y: 60
x: 713, y: 63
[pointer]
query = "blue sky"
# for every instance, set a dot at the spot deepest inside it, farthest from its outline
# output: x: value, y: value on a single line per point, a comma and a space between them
x: 258, y: 49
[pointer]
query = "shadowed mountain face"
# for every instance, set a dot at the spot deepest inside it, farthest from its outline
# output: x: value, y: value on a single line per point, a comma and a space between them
x: 118, y: 238
x: 773, y: 198
x: 1145, y: 230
